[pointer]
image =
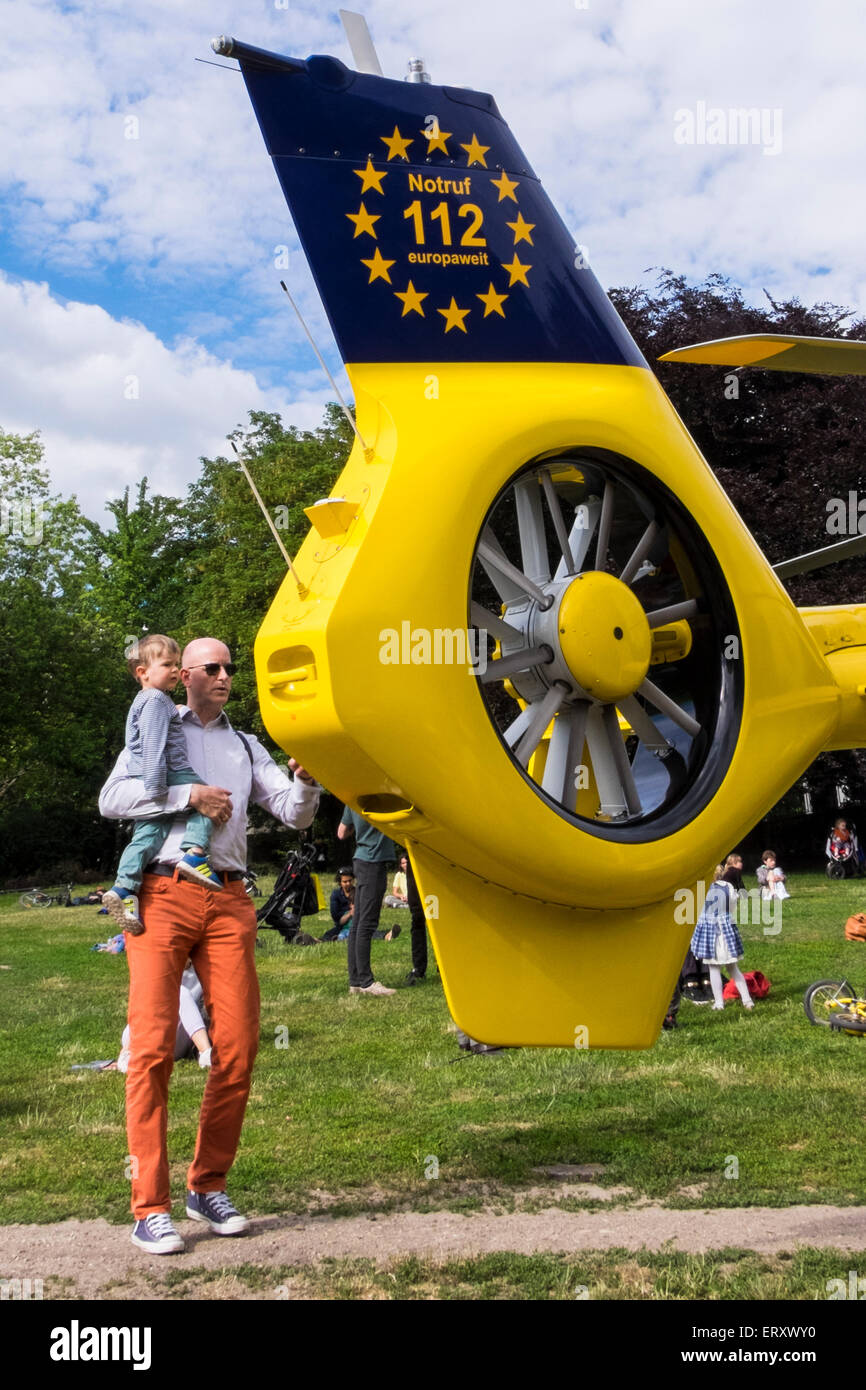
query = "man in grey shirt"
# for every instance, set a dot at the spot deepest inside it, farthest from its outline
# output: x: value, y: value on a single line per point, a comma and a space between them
x: 217, y: 931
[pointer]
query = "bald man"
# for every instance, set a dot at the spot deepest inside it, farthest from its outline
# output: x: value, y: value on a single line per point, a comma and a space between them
x: 217, y: 931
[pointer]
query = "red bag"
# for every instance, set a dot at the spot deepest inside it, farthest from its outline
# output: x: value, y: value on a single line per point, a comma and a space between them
x: 759, y: 986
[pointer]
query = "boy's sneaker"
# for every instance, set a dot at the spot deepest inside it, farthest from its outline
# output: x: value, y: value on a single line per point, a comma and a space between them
x: 216, y: 1209
x: 156, y: 1234
x: 199, y: 870
x: 122, y: 907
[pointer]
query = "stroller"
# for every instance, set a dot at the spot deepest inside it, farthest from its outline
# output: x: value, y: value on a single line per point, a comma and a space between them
x: 294, y: 897
x: 844, y: 855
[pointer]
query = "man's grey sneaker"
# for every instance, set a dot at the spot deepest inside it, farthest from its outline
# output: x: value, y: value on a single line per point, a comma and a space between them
x: 374, y: 988
x: 123, y: 909
x: 156, y: 1234
x: 216, y: 1209
x: 199, y: 870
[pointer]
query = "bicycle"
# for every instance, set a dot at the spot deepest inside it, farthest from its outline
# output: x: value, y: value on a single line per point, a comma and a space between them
x: 37, y: 897
x: 835, y: 1004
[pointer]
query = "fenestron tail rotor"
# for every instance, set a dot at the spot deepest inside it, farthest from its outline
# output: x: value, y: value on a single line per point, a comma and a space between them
x: 586, y: 577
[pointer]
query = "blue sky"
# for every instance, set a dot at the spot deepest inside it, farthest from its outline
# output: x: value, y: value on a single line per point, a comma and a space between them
x: 153, y: 257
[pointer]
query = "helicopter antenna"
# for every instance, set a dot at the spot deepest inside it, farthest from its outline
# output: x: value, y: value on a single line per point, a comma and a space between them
x: 817, y: 559
x: 302, y: 588
x: 368, y: 453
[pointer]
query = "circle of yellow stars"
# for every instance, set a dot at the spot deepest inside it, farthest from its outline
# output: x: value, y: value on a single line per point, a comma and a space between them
x: 365, y: 219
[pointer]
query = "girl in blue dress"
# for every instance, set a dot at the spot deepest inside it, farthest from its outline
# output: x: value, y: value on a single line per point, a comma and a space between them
x: 716, y: 940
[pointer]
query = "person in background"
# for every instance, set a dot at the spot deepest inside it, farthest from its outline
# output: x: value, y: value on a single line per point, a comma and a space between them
x: 716, y: 940
x: 771, y: 876
x: 419, y: 928
x: 373, y: 852
x: 191, y: 1038
x: 342, y: 906
x: 398, y: 896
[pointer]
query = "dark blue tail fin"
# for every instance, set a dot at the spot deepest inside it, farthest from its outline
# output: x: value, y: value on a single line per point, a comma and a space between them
x: 428, y: 234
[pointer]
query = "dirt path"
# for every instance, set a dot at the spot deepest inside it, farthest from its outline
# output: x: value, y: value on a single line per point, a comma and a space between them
x: 96, y: 1260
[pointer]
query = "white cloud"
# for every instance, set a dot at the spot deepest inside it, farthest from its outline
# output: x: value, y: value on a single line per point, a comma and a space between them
x: 114, y: 403
x: 184, y: 219
x: 590, y: 94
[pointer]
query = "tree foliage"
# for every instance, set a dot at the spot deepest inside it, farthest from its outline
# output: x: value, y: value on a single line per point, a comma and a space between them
x: 782, y: 444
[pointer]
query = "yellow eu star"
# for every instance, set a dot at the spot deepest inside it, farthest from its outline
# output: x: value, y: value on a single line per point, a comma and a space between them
x: 506, y: 187
x: 436, y: 139
x: 475, y: 152
x: 521, y: 229
x: 453, y: 316
x: 411, y: 300
x: 493, y: 302
x: 369, y: 178
x: 517, y: 271
x: 363, y: 221
x: 378, y: 267
x: 397, y: 146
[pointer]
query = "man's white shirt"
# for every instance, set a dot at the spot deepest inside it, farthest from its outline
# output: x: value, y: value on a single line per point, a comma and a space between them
x: 218, y: 755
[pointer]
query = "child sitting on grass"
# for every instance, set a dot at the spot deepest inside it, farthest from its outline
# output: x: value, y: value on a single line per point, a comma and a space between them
x: 158, y: 755
x: 771, y: 876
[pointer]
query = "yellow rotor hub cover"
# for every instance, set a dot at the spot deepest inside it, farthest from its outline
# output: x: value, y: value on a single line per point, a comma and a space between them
x: 604, y: 636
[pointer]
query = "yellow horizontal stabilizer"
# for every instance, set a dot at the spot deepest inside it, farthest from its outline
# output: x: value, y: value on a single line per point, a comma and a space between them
x: 778, y: 352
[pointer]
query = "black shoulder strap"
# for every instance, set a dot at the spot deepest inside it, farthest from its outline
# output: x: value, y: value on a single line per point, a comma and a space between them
x: 245, y: 742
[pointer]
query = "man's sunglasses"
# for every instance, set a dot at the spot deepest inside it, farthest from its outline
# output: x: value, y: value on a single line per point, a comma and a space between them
x: 213, y: 668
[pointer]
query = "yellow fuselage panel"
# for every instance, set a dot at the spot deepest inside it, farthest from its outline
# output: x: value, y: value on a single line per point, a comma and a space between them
x: 420, y: 731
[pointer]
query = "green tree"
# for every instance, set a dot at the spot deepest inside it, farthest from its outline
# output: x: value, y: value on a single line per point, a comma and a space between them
x: 137, y: 573
x: 53, y: 715
x: 238, y: 564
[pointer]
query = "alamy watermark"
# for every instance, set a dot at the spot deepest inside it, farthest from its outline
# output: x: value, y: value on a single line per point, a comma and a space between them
x: 733, y: 125
x: 749, y: 907
x: 22, y: 517
x: 438, y: 646
x: 19, y: 1290
x: 854, y: 1289
x: 846, y: 516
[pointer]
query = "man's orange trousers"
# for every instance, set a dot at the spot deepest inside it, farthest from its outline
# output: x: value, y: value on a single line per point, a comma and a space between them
x: 217, y: 931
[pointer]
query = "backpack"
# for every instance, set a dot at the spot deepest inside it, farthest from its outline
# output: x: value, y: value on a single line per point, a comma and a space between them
x: 759, y: 986
x: 855, y: 927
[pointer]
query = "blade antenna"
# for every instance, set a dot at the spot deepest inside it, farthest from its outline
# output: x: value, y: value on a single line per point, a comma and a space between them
x: 302, y: 588
x: 368, y: 452
x: 360, y: 42
x: 817, y: 559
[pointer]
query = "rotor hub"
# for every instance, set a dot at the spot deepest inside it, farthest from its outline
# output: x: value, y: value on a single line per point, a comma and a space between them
x: 604, y: 636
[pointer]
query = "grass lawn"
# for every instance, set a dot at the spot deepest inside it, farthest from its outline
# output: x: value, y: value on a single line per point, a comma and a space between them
x: 611, y: 1275
x: 728, y: 1110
